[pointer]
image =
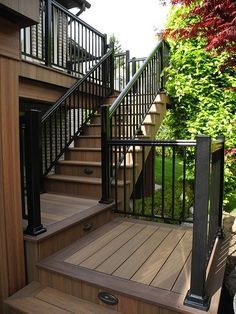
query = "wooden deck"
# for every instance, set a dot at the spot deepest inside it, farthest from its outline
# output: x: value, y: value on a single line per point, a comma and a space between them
x: 143, y: 260
x: 147, y: 253
x: 144, y: 264
x: 55, y: 207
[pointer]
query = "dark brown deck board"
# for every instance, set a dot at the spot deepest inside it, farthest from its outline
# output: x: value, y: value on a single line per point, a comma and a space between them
x: 139, y: 257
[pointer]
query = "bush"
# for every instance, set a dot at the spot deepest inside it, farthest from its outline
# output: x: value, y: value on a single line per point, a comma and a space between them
x: 203, y: 96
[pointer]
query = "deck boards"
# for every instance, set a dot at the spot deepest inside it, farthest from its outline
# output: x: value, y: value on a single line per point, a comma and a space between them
x: 55, y: 208
x: 142, y: 263
x: 143, y: 252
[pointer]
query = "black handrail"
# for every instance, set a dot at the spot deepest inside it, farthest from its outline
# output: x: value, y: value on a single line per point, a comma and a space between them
x: 132, y: 82
x: 75, y: 86
x: 69, y: 115
x: 124, y: 118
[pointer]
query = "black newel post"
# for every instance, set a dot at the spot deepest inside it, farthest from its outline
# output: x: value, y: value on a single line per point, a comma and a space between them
x: 105, y: 156
x: 33, y: 171
x: 48, y: 33
x: 197, y: 295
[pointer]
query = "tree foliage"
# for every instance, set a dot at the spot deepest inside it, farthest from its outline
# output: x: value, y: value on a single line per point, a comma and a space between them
x: 204, y: 96
x: 214, y: 20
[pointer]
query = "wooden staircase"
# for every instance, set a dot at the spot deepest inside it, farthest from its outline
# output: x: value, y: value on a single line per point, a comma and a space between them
x: 79, y: 174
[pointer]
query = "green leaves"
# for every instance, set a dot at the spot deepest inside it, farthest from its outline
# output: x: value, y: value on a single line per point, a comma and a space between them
x: 204, y: 96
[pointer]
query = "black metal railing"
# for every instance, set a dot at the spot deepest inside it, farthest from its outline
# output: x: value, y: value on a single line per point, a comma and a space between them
x: 124, y: 118
x: 121, y: 70
x: 129, y: 110
x: 70, y: 114
x: 173, y: 181
x: 207, y: 227
x: 149, y: 178
x: 44, y: 139
x: 125, y: 68
x: 62, y: 40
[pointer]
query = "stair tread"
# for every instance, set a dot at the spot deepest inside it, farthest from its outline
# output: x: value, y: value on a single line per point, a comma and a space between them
x: 88, y: 136
x: 80, y: 163
x: 79, y: 179
x: 62, y: 177
x: 36, y: 298
x: 95, y: 149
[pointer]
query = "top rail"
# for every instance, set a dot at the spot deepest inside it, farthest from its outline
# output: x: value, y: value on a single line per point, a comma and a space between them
x: 76, y: 18
x: 75, y: 86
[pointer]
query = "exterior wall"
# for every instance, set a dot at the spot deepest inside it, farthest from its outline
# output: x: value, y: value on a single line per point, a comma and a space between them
x: 21, y: 12
x: 12, y: 276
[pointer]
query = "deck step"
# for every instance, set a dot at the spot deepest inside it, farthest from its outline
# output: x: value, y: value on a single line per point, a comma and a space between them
x: 88, y: 141
x: 38, y: 299
x: 79, y: 168
x: 84, y: 154
x: 89, y: 187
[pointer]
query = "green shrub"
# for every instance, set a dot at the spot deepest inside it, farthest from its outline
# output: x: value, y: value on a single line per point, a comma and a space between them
x: 204, y: 98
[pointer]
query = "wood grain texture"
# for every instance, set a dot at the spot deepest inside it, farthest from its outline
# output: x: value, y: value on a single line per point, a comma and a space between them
x: 23, y: 12
x: 9, y: 44
x: 38, y: 299
x: 30, y: 72
x: 11, y: 239
x: 62, y: 233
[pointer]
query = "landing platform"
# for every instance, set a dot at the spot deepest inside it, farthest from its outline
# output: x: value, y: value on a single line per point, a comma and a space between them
x: 141, y: 263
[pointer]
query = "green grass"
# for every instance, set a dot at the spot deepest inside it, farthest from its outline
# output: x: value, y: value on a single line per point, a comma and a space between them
x: 168, y: 170
x: 178, y: 190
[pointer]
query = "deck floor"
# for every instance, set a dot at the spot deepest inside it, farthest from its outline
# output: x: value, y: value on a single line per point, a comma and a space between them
x: 57, y: 208
x: 147, y: 253
x: 152, y: 254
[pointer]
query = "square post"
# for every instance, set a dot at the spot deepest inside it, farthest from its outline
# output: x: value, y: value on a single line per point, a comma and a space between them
x: 105, y: 156
x: 48, y: 33
x: 197, y: 295
x: 33, y: 171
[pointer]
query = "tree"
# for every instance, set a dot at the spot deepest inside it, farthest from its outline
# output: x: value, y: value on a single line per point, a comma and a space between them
x: 214, y: 20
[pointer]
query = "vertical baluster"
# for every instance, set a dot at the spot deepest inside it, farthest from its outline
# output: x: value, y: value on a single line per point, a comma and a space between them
x: 124, y: 179
x: 134, y: 179
x: 184, y: 184
x: 143, y: 180
x: 163, y: 183
x: 55, y: 132
x: 153, y: 179
x: 173, y: 184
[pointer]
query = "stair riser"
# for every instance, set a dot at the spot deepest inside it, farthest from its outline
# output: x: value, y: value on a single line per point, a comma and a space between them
x: 37, y: 250
x: 93, y: 130
x: 81, y: 171
x: 88, y: 190
x: 96, y: 120
x: 85, y: 290
x: 92, y: 191
x: 83, y: 155
x: 87, y: 142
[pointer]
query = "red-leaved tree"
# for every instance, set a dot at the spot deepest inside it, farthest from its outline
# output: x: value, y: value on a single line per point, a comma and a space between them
x: 216, y: 23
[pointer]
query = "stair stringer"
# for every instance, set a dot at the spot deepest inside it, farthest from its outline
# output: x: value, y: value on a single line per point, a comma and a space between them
x: 150, y: 126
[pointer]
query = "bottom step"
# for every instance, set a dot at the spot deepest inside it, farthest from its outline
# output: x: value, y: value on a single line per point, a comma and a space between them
x: 39, y: 299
